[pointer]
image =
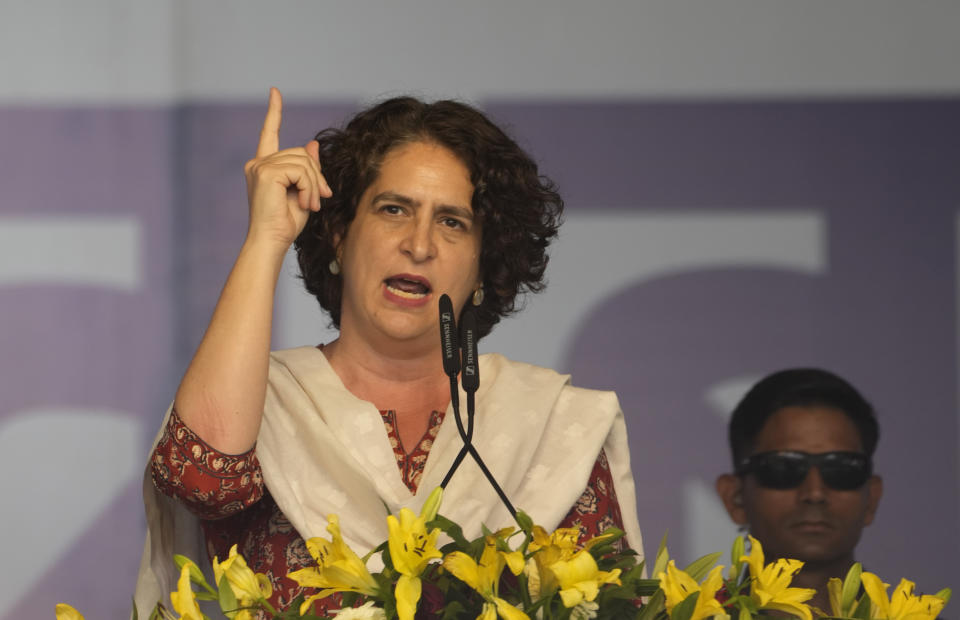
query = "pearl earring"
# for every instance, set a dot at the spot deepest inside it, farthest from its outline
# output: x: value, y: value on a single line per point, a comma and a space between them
x: 334, y: 267
x: 478, y: 296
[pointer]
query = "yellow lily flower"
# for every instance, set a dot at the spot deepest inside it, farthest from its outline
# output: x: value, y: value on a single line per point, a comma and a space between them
x: 339, y: 568
x: 484, y: 577
x: 548, y: 549
x: 250, y: 588
x: 903, y: 604
x: 66, y: 612
x: 513, y: 559
x: 580, y: 578
x: 411, y: 549
x: 184, y: 600
x: 770, y: 587
x: 677, y: 585
x: 564, y: 538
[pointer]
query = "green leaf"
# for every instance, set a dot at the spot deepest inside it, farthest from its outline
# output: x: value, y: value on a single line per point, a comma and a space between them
x: 699, y: 568
x: 609, y: 536
x: 349, y: 599
x: 862, y: 611
x: 293, y: 608
x: 385, y: 557
x: 626, y: 561
x: 655, y: 605
x: 647, y: 587
x: 378, y: 549
x: 524, y: 521
x: 452, y: 530
x: 228, y: 600
x: 390, y: 605
x: 736, y: 552
x: 502, y: 545
x: 851, y: 587
x: 684, y: 609
x: 735, y: 587
x: 133, y: 614
x: 945, y: 594
x: 662, y: 557
x: 744, y: 602
x: 452, y: 610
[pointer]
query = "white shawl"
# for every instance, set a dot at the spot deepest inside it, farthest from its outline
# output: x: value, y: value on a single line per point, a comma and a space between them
x: 323, y: 451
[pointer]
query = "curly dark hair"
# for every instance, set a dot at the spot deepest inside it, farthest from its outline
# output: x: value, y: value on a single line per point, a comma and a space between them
x: 519, y: 209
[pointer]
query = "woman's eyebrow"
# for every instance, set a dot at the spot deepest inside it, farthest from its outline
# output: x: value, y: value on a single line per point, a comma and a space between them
x: 454, y: 210
x: 395, y: 197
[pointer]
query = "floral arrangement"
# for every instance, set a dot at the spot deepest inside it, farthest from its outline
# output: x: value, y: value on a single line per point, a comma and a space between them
x: 524, y: 572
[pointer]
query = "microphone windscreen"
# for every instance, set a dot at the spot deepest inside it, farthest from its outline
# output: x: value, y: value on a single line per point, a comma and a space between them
x: 468, y: 344
x: 448, y: 337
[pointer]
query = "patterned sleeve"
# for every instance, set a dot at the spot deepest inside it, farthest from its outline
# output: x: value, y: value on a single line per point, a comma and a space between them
x: 211, y: 484
x: 598, y: 508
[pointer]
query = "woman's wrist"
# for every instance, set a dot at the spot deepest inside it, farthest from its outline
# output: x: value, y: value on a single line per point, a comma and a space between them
x: 265, y: 248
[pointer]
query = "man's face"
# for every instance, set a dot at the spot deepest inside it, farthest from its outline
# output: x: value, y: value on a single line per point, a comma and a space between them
x: 812, y: 522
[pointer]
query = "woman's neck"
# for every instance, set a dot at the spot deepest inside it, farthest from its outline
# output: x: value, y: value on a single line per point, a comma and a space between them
x: 412, y: 386
x: 399, y: 380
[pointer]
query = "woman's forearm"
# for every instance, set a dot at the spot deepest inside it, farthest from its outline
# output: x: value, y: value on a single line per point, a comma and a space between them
x: 222, y: 394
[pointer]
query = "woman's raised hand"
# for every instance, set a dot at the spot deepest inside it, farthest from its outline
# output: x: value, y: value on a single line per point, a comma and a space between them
x: 282, y: 186
x: 222, y: 394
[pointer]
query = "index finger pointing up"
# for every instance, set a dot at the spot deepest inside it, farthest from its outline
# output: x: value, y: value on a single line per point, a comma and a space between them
x: 270, y: 134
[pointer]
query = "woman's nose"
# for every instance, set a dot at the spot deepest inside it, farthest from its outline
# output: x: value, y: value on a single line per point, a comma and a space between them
x: 418, y: 242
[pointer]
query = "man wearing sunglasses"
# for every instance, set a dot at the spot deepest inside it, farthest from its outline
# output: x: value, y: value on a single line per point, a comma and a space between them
x: 803, y: 484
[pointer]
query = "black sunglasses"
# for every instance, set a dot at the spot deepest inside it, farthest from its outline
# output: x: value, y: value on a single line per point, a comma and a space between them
x: 787, y: 469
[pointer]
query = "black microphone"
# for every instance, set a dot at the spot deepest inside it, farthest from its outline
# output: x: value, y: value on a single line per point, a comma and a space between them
x: 450, y: 351
x: 468, y: 345
x: 448, y: 338
x: 471, y: 381
x: 470, y: 378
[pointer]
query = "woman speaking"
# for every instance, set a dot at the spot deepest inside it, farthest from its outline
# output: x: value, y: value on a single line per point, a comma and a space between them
x: 408, y: 202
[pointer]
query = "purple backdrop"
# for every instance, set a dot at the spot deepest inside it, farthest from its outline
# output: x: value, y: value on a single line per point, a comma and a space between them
x: 883, y: 173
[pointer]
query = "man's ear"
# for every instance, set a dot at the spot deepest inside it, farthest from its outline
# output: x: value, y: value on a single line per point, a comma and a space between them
x: 730, y: 490
x: 874, y: 493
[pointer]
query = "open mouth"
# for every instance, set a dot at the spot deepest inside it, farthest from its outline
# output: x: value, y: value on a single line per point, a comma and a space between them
x: 408, y: 287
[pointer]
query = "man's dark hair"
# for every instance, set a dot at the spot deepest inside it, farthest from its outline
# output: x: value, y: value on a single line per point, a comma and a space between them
x: 518, y: 208
x: 799, y: 387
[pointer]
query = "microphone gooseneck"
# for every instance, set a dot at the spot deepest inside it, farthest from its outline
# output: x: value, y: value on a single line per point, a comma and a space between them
x: 470, y: 377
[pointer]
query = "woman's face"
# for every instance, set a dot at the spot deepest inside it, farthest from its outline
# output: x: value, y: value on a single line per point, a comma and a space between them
x: 414, y: 237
